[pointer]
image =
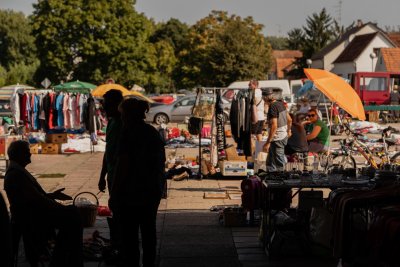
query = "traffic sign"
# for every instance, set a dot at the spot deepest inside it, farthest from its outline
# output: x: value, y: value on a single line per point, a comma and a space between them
x: 46, y: 83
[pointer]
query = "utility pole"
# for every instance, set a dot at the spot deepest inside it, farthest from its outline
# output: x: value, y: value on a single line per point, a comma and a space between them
x: 339, y: 12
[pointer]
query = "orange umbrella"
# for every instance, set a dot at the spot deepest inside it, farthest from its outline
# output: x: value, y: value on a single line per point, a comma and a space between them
x: 100, y: 90
x: 338, y: 91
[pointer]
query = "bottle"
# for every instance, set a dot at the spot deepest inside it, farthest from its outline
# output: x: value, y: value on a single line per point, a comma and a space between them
x: 315, y: 164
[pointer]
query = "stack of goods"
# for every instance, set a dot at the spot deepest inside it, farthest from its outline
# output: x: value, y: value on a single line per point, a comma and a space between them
x: 54, y: 142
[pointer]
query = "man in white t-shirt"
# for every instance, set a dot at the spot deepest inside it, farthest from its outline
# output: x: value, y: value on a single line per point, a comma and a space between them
x: 257, y: 127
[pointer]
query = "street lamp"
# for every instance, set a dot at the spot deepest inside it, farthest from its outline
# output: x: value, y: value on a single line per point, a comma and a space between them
x: 372, y: 56
x: 309, y: 62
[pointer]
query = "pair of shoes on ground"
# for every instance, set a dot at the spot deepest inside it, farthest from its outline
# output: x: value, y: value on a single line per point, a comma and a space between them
x: 180, y: 177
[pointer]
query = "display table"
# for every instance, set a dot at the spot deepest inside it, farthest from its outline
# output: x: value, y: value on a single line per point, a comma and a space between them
x: 274, y: 194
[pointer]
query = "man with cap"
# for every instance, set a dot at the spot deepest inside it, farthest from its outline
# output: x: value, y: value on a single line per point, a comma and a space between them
x: 279, y: 129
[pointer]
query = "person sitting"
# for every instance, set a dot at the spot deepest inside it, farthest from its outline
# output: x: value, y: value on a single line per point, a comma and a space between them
x: 36, y: 213
x: 314, y: 105
x: 297, y: 142
x: 304, y: 106
x: 318, y: 136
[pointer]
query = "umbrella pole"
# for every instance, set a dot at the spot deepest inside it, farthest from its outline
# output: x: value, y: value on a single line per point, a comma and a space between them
x: 330, y: 127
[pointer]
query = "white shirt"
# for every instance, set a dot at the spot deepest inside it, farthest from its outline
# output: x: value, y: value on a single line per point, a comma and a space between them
x: 259, y: 102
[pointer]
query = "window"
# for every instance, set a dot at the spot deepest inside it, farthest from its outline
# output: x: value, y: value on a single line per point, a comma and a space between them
x: 187, y: 102
x: 374, y: 84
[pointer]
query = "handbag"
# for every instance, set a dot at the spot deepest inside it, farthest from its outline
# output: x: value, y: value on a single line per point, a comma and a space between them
x: 203, y: 109
x: 195, y: 125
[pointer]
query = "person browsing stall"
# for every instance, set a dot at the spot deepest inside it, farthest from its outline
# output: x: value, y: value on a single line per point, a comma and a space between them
x: 139, y: 183
x: 111, y: 101
x: 257, y: 127
x: 279, y: 130
x: 318, y: 136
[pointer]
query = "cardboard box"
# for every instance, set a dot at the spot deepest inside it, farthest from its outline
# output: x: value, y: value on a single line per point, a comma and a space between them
x: 60, y: 138
x: 51, y: 148
x: 233, y: 168
x: 34, y: 148
x: 231, y: 154
x: 5, y: 141
x: 373, y: 116
x: 234, y: 217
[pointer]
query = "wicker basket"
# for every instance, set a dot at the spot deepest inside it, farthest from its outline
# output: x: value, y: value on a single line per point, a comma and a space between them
x: 87, y: 208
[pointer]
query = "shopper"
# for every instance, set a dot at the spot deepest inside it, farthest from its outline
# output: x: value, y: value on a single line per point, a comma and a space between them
x: 279, y: 130
x: 318, y: 132
x: 36, y: 213
x: 138, y: 184
x: 258, y: 125
x: 111, y: 101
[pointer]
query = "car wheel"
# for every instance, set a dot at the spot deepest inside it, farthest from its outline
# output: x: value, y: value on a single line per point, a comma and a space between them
x: 161, y: 118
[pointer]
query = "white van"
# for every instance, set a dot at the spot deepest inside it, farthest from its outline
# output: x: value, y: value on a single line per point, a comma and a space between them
x: 282, y: 85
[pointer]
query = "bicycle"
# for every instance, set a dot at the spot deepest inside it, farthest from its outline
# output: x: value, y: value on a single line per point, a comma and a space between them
x: 344, y: 156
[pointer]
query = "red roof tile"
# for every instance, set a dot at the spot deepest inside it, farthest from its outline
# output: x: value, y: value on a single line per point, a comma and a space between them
x: 283, y: 61
x: 395, y: 37
x: 391, y: 57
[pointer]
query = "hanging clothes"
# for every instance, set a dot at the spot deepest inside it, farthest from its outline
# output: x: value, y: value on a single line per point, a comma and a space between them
x: 36, y: 107
x: 46, y: 102
x: 59, y: 109
x: 240, y: 118
x: 67, y: 121
x: 89, y: 115
x: 77, y: 112
x: 71, y: 108
x: 220, y: 119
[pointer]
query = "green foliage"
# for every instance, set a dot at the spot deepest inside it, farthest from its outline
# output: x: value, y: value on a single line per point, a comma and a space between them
x: 92, y: 40
x: 3, y: 76
x: 277, y: 43
x: 296, y: 39
x: 173, y: 31
x: 17, y: 49
x: 319, y: 31
x: 223, y: 49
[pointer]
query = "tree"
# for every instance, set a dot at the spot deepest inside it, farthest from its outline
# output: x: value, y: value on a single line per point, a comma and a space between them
x: 223, y: 49
x: 277, y: 43
x: 317, y: 33
x: 173, y: 31
x: 296, y: 39
x: 17, y: 48
x: 93, y: 40
x: 172, y: 34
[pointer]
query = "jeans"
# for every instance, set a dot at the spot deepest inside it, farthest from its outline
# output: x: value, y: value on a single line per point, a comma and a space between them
x: 276, y: 155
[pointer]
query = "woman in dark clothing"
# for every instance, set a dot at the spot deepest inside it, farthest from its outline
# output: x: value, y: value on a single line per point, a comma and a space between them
x: 138, y: 184
x: 297, y: 142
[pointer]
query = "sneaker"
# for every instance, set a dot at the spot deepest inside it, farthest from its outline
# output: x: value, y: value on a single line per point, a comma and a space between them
x: 180, y: 177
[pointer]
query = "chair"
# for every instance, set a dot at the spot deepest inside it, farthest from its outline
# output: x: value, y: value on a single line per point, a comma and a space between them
x: 6, y: 254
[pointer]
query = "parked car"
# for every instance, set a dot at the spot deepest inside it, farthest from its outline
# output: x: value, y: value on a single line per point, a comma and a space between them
x: 179, y: 110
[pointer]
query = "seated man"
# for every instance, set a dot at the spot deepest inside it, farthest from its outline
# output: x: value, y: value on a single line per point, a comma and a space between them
x: 36, y: 213
x: 318, y: 136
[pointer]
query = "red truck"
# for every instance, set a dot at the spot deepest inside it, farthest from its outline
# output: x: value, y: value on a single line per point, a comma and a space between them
x: 379, y: 91
x: 376, y: 88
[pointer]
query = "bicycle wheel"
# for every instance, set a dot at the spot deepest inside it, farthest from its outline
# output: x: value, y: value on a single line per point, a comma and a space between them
x: 395, y: 159
x: 343, y: 161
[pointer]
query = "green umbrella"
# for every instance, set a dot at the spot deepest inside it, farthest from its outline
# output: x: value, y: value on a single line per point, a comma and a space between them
x: 75, y: 87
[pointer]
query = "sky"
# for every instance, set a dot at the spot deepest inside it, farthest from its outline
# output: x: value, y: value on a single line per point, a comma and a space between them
x: 278, y: 17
